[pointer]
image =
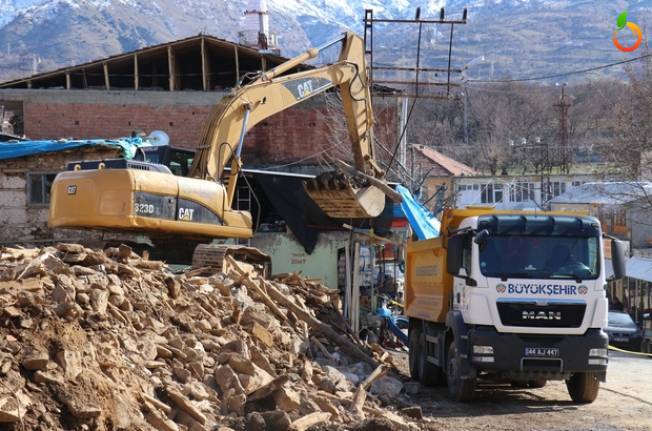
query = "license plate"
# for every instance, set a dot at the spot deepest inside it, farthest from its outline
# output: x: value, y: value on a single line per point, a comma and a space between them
x: 542, y: 352
x: 620, y: 339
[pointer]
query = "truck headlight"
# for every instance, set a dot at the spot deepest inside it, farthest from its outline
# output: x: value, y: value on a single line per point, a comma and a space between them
x: 483, y: 350
x: 602, y: 353
x: 598, y: 361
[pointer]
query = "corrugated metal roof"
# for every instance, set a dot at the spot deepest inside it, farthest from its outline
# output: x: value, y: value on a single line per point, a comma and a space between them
x: 451, y: 166
x: 606, y: 193
x: 242, y: 49
x: 639, y: 268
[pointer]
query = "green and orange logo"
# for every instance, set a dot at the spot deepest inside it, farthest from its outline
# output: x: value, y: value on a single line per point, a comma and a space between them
x: 621, y: 23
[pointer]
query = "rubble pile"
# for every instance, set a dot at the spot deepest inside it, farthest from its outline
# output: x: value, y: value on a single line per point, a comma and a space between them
x: 103, y: 340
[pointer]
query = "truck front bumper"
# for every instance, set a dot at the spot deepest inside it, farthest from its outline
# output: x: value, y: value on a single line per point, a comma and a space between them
x: 549, y: 356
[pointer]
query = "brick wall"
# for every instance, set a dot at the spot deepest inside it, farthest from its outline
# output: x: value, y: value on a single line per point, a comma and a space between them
x: 288, y: 136
x: 23, y: 222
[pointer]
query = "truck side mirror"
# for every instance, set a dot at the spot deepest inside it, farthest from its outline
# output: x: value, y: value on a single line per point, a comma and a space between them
x: 619, y: 259
x: 454, y: 254
x: 481, y: 237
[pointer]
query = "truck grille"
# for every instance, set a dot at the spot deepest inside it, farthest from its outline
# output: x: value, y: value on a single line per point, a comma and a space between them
x: 533, y: 314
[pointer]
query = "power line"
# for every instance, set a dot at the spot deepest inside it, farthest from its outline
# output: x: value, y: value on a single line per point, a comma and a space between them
x: 560, y: 75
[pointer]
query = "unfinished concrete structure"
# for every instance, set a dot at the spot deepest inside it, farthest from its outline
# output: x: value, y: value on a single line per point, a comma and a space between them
x: 173, y: 87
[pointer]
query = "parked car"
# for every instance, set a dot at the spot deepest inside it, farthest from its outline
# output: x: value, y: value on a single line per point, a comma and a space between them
x: 623, y: 332
x: 646, y: 344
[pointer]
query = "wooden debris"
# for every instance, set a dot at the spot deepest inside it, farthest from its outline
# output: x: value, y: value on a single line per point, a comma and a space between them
x: 108, y: 337
x: 361, y: 392
x: 305, y: 422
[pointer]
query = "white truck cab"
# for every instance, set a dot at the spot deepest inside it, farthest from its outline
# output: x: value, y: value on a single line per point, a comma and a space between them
x: 527, y: 302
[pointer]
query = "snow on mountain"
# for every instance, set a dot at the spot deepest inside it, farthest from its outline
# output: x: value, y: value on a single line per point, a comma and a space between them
x: 518, y: 36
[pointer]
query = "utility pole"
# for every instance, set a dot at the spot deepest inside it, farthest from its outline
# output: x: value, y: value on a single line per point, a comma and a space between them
x: 563, y: 105
x: 466, y: 116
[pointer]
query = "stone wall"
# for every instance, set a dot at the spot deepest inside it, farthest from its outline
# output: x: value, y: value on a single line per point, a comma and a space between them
x: 25, y: 222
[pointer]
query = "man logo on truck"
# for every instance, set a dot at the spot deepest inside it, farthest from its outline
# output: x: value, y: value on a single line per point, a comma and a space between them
x: 541, y: 315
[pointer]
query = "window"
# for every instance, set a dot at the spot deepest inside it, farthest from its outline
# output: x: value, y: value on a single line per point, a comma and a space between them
x: 555, y: 189
x: 521, y: 192
x: 467, y: 263
x: 487, y: 195
x: 498, y: 193
x: 491, y: 193
x: 38, y: 189
x: 558, y: 188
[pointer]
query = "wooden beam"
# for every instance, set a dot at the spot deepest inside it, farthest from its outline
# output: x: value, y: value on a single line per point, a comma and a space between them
x: 205, y: 64
x: 263, y: 63
x: 172, y: 69
x: 67, y: 80
x: 107, y: 83
x: 84, y: 78
x: 237, y: 66
x: 136, y: 76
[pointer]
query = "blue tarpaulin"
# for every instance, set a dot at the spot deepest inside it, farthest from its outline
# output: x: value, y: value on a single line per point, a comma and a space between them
x: 13, y: 150
x: 423, y: 223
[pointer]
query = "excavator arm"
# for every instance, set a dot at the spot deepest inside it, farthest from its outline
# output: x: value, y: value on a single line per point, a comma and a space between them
x: 275, y: 91
x: 125, y: 195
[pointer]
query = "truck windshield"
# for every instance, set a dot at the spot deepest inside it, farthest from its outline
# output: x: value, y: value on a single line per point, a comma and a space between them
x: 529, y: 256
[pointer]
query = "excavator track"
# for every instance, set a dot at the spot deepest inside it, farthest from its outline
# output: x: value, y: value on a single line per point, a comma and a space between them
x: 214, y: 257
x: 339, y: 196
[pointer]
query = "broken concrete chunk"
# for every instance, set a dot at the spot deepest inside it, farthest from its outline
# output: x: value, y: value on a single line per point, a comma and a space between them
x: 10, y: 411
x: 48, y: 377
x: 36, y: 361
x: 70, y: 361
x: 262, y: 334
x: 277, y: 420
x: 387, y: 386
x: 99, y: 301
x: 287, y: 399
x: 413, y: 412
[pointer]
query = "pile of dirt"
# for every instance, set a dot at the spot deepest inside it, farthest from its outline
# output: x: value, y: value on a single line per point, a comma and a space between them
x: 103, y: 340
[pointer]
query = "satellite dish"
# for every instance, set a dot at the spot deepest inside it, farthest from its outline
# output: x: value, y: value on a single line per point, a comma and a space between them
x: 158, y: 138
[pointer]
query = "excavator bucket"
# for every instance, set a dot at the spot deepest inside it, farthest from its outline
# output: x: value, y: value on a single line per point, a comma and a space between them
x: 343, y: 197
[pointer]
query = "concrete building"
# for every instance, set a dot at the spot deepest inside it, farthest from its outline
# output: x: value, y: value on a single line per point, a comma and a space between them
x: 513, y: 192
x: 435, y: 173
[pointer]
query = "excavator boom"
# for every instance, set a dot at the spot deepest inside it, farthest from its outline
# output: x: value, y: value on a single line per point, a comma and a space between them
x: 274, y: 92
x: 122, y: 195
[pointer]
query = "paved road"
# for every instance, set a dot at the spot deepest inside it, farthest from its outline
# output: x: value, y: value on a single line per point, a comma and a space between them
x: 624, y: 403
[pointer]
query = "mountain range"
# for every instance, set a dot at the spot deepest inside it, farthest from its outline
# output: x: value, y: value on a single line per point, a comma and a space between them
x: 518, y: 38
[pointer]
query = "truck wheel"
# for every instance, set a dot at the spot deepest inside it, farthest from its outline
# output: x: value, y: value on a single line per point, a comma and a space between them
x: 537, y: 383
x: 429, y: 374
x: 414, y: 352
x: 459, y: 389
x: 583, y: 387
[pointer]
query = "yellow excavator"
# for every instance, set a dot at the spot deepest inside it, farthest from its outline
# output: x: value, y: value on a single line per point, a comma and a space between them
x: 123, y: 195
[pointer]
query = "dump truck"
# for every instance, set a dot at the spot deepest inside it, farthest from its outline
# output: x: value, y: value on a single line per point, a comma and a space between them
x: 509, y: 296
